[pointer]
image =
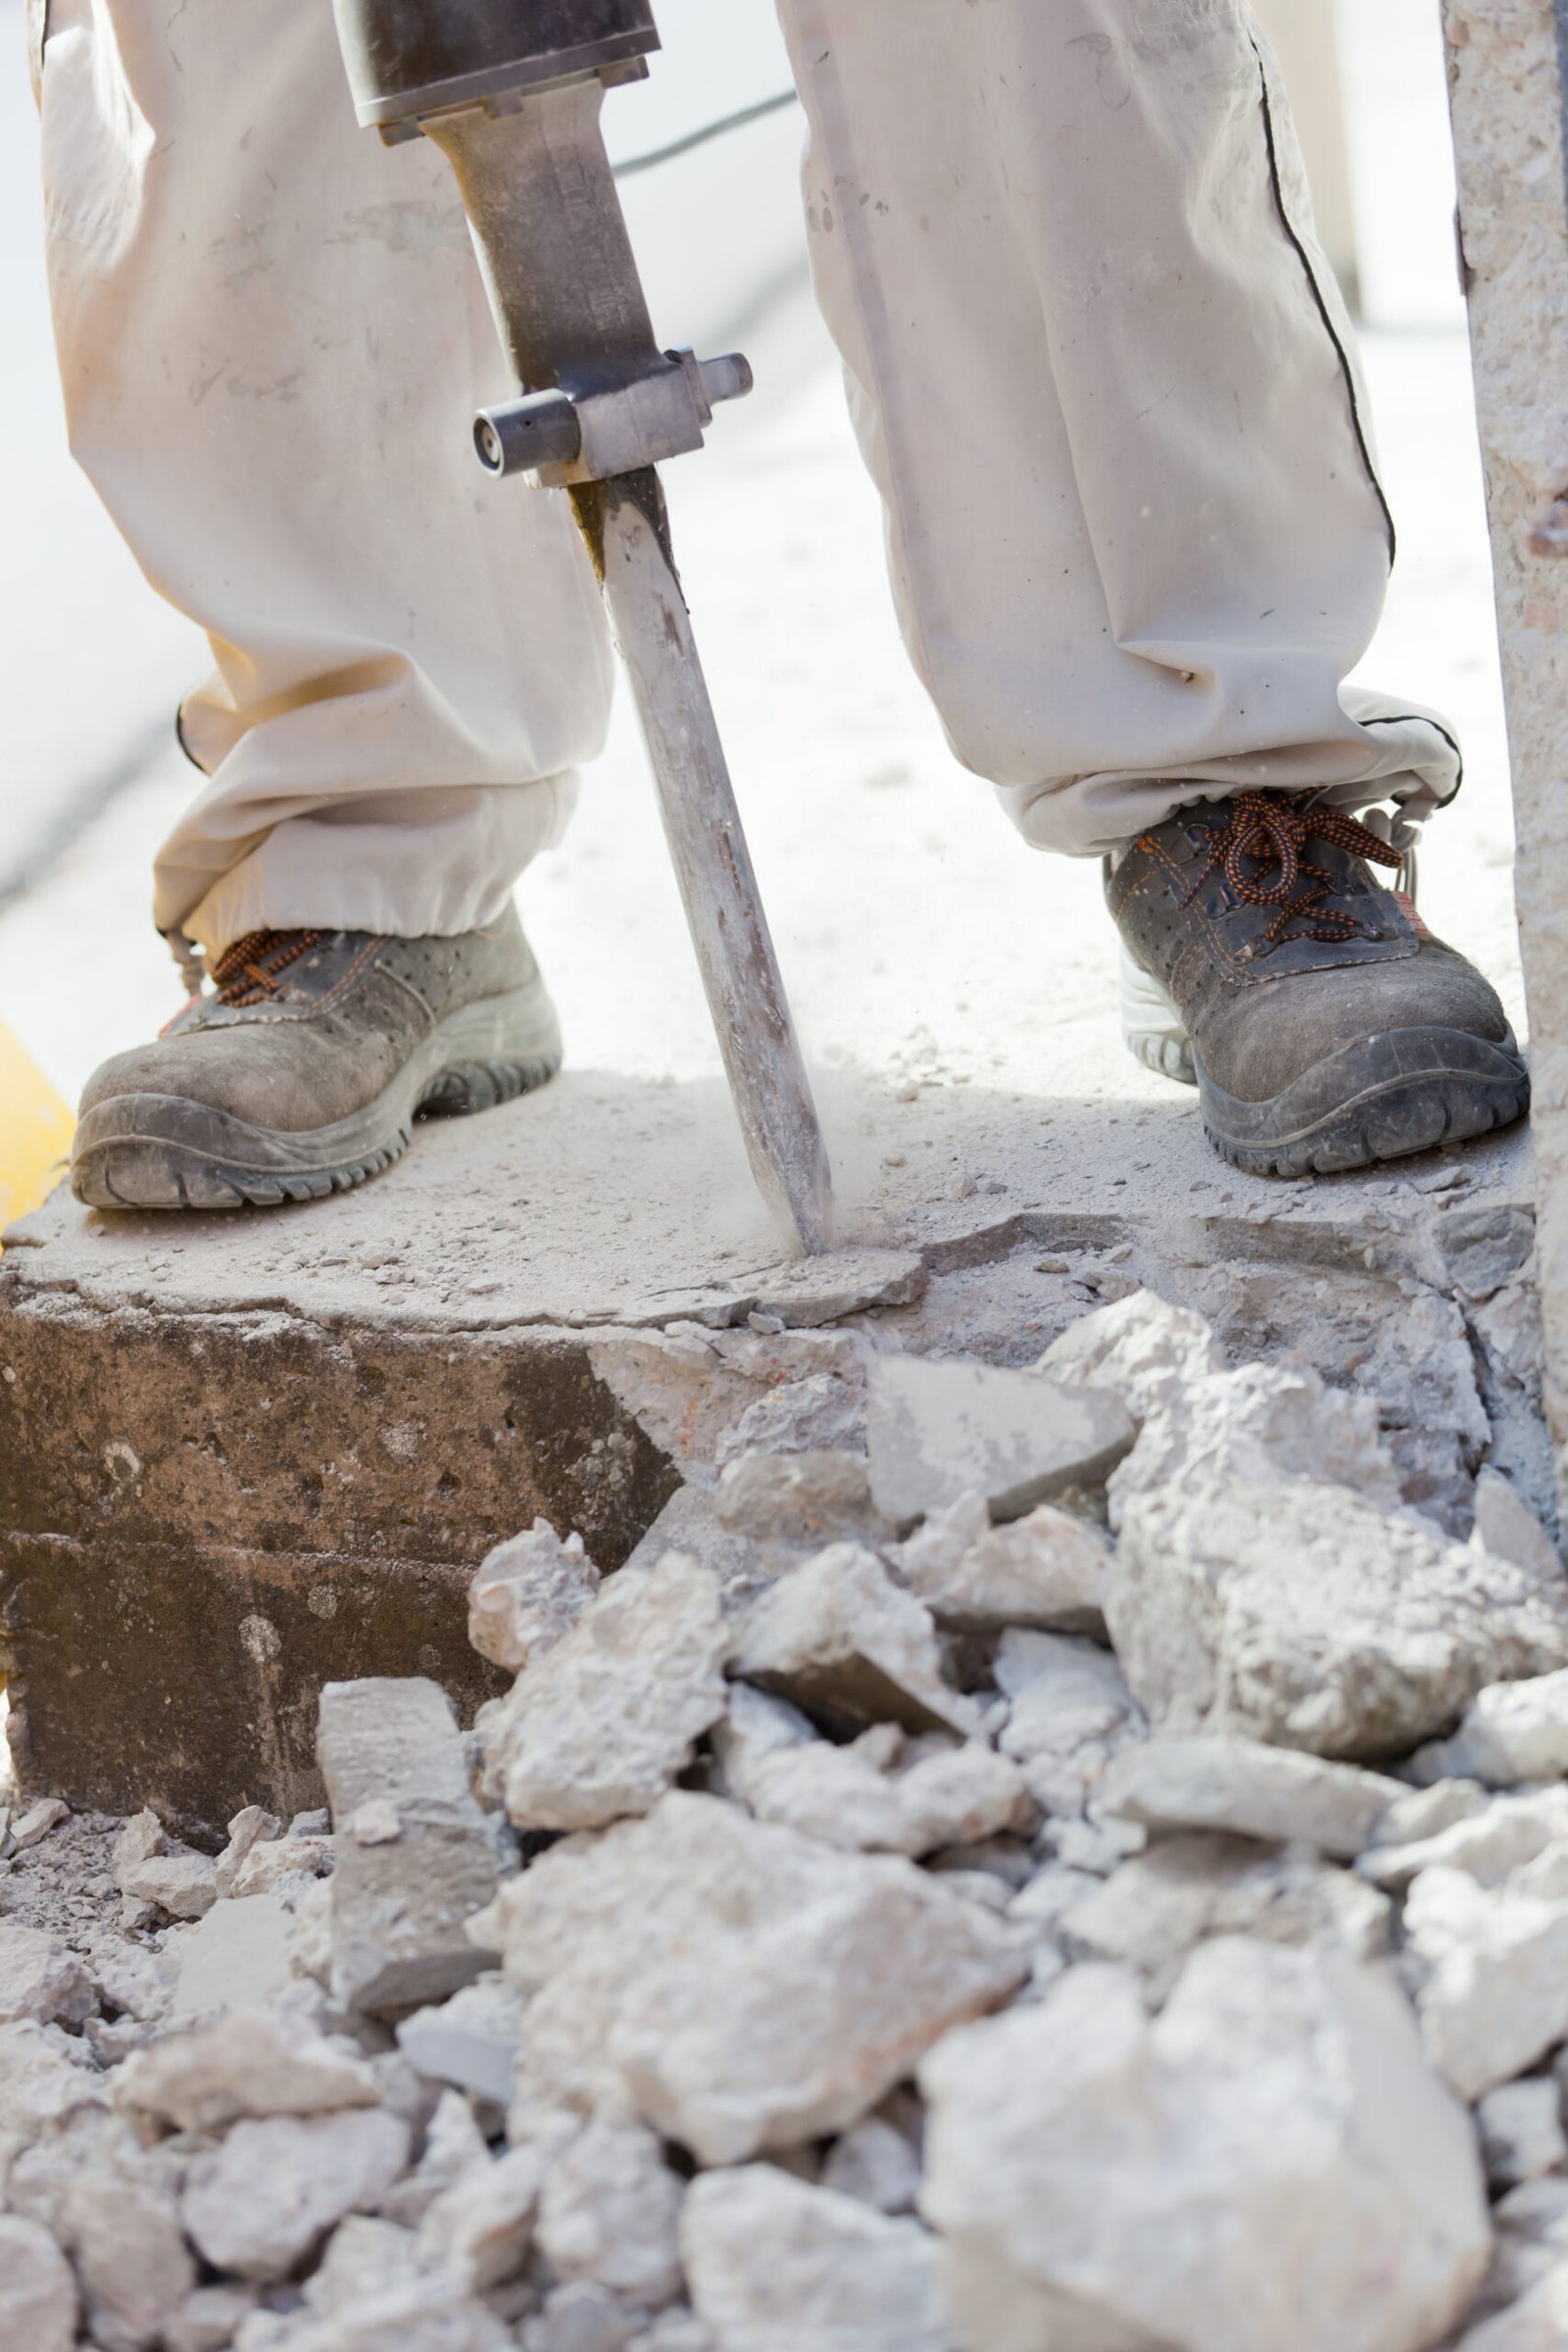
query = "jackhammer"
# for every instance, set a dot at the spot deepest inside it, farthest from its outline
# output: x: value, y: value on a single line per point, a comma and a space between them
x: 512, y: 91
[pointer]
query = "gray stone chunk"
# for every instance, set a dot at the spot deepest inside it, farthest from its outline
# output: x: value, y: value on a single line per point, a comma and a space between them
x: 1046, y: 1570
x: 1141, y: 1347
x: 840, y: 1639
x: 527, y: 1595
x: 689, y: 1523
x: 1159, y: 1906
x: 710, y: 1972
x: 470, y: 2041
x: 1341, y: 2200
x: 776, y: 2264
x: 37, y: 2292
x: 1261, y: 1426
x: 275, y: 2187
x: 600, y: 1725
x: 40, y: 1979
x: 1256, y: 1792
x: 247, y: 2063
x: 1303, y: 1616
x: 236, y: 1958
x: 937, y: 1432
x: 399, y: 1911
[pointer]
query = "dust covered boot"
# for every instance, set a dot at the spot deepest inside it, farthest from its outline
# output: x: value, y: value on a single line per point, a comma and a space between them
x: 1321, y: 1023
x: 302, y: 1072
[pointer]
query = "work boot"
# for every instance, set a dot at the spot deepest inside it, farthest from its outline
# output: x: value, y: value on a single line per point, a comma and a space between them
x: 301, y: 1073
x: 1322, y: 1023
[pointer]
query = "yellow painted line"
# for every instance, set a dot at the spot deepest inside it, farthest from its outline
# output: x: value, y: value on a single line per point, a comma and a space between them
x: 35, y: 1130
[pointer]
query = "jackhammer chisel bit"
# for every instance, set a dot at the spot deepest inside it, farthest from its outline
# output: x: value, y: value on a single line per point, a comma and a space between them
x: 510, y: 92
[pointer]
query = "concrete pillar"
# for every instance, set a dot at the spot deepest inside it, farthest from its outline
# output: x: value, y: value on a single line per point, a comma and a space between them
x: 1304, y: 38
x: 1505, y: 73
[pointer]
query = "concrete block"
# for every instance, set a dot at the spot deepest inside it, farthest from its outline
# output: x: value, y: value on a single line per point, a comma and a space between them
x: 399, y: 1906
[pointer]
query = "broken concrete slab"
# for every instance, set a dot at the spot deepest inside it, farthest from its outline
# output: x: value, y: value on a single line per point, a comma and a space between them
x: 838, y: 1638
x: 936, y: 1432
x: 400, y: 1910
x: 1256, y: 1792
x: 1061, y: 2136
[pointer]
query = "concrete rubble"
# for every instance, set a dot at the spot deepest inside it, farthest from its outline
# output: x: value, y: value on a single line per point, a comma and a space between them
x: 1083, y: 1866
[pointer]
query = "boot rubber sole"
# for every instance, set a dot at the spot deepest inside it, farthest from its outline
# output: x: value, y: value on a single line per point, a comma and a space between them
x: 170, y: 1151
x: 1379, y: 1097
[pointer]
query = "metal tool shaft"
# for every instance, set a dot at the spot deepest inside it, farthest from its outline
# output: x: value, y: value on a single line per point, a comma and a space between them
x: 569, y: 308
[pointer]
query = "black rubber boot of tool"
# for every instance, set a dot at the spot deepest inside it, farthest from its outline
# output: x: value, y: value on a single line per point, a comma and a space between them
x: 302, y: 1072
x: 1327, y: 1027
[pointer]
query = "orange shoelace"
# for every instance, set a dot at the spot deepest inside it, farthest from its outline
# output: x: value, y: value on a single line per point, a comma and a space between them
x: 249, y: 971
x: 1267, y: 832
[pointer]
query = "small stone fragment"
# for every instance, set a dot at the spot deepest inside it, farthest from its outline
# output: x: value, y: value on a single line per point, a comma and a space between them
x: 1493, y: 1963
x: 1420, y: 1813
x: 1508, y: 1528
x: 481, y: 2228
x: 609, y: 2212
x: 838, y: 1638
x: 936, y: 1432
x: 130, y: 2256
x: 236, y: 1958
x: 1046, y: 1570
x: 666, y: 1963
x: 282, y: 1865
x: 251, y: 1827
x: 1255, y: 1792
x: 185, y: 1885
x: 37, y: 2292
x: 209, y: 2319
x: 1521, y: 2130
x: 876, y: 2164
x: 470, y: 2041
x: 800, y: 1499
x: 1159, y: 1906
x: 400, y: 1911
x: 1487, y: 1845
x: 1071, y: 1711
x: 40, y: 1979
x: 581, y: 2318
x: 364, y: 2256
x: 142, y: 1837
x: 1511, y: 1731
x: 276, y: 2186
x: 1340, y: 2201
x: 46, y: 2077
x: 453, y: 2146
x: 1141, y: 1347
x: 824, y: 1413
x: 249, y: 2063
x: 688, y: 1523
x: 528, y: 1594
x: 776, y: 2264
x: 377, y: 1822
x: 33, y: 1827
x: 600, y: 1725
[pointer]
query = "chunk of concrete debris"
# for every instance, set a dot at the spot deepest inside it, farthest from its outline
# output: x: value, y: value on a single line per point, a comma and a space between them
x: 838, y: 1638
x: 209, y: 2319
x: 37, y: 2291
x: 1511, y: 1731
x: 1263, y: 1425
x: 131, y: 1978
x: 131, y: 2255
x: 602, y: 1724
x: 665, y: 1962
x: 1159, y: 1906
x: 1342, y: 2203
x: 234, y: 1959
x: 40, y: 1979
x: 1046, y: 1570
x: 1488, y: 1843
x: 400, y: 1911
x: 1521, y: 2130
x: 470, y: 2041
x: 47, y: 2077
x: 453, y: 2145
x: 1071, y: 1711
x: 808, y: 1293
x: 876, y: 2164
x: 1270, y: 1793
x: 246, y: 2064
x: 1492, y: 1966
x: 776, y: 2264
x: 252, y: 1826
x: 527, y: 1595
x: 31, y: 1828
x: 776, y: 1499
x: 185, y: 1885
x: 936, y: 1432
x: 1317, y: 1622
x: 481, y: 2228
x: 1508, y: 1528
x: 1420, y: 1813
x: 266, y: 2199
x: 689, y: 1523
x: 824, y: 1413
x: 610, y: 2213
x: 1141, y: 1347
x: 364, y: 2256
x: 854, y: 1797
x: 282, y: 1865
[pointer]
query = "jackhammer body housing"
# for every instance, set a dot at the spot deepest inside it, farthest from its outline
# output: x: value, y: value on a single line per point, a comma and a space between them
x: 413, y: 58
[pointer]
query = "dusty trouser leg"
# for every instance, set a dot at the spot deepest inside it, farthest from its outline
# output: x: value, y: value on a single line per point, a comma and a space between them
x: 271, y: 338
x: 1106, y: 387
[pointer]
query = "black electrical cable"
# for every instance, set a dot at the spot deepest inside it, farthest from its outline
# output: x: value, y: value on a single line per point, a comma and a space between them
x: 699, y: 138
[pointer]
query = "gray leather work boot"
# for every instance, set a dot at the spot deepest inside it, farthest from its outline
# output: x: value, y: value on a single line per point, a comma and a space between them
x: 1321, y: 1023
x: 302, y: 1073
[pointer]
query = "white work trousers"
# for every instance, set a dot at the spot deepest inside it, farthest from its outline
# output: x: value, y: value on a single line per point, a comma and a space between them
x: 1097, y: 364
